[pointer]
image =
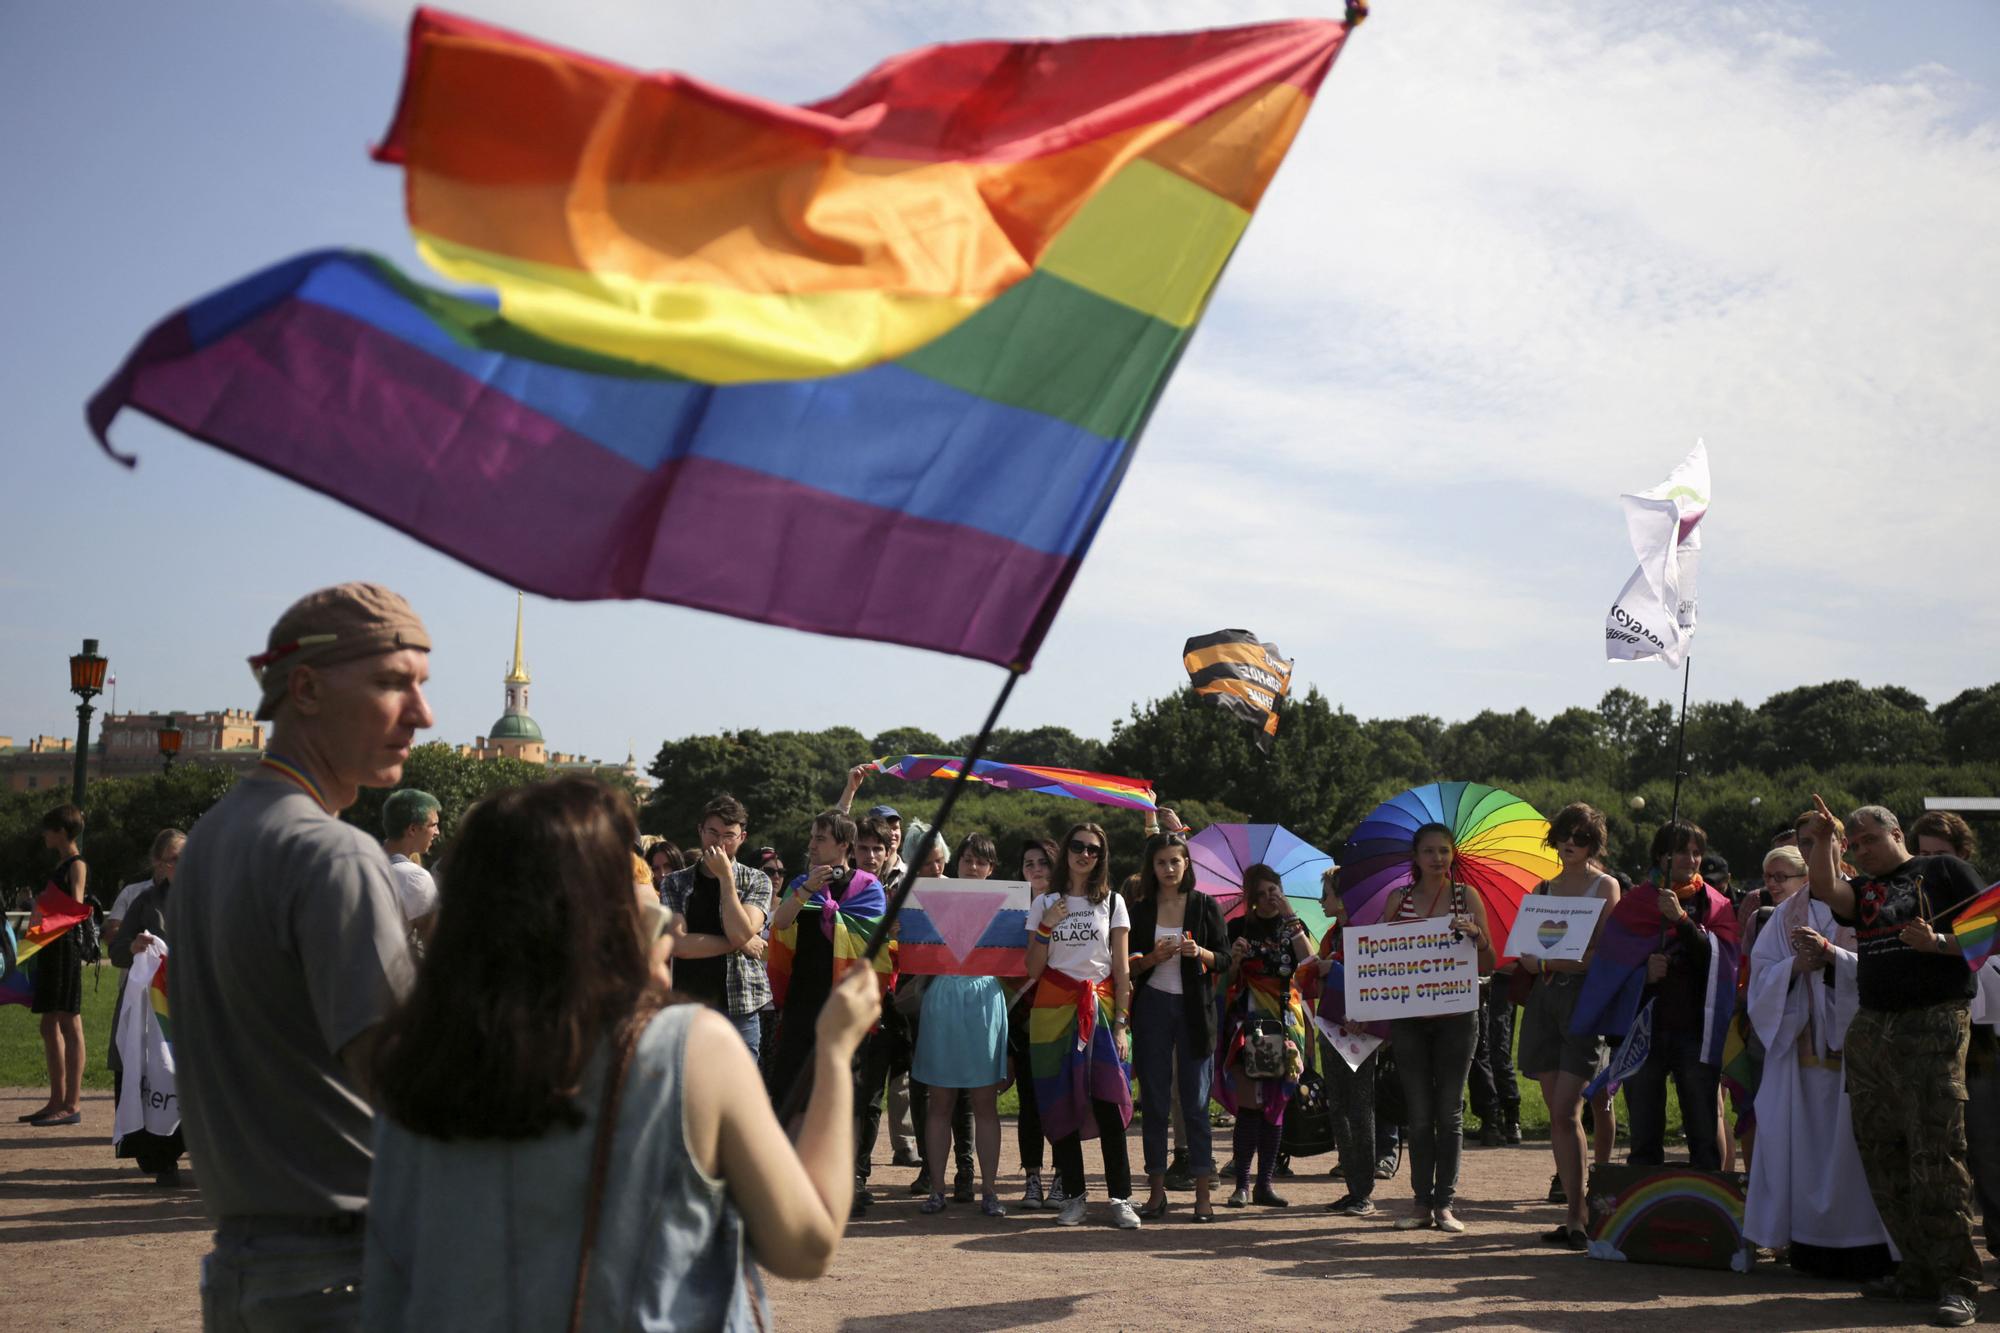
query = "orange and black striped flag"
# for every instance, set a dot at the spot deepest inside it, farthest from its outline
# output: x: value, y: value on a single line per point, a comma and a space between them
x: 1244, y: 675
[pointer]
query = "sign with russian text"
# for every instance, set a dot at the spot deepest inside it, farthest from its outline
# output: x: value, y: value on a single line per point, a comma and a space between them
x: 1411, y: 969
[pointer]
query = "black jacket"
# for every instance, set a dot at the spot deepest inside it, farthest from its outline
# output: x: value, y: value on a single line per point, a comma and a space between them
x: 1203, y: 920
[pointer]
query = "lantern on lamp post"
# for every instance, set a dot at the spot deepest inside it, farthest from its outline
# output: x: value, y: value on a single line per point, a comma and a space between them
x: 86, y: 682
x: 170, y: 744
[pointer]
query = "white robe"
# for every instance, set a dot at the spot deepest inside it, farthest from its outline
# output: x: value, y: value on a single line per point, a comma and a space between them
x: 1806, y: 1182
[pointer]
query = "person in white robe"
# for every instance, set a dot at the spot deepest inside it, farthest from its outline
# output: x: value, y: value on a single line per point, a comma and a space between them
x: 1807, y: 1192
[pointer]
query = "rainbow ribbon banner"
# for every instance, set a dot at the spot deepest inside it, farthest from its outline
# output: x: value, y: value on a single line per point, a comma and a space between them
x: 965, y: 927
x: 914, y: 329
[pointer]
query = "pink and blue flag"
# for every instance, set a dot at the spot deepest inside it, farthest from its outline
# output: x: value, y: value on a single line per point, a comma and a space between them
x: 965, y: 928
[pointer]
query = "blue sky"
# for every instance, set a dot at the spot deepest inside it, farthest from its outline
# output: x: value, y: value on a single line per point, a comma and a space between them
x: 1519, y: 259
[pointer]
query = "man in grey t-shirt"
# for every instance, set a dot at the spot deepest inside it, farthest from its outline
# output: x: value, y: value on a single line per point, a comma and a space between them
x: 289, y: 948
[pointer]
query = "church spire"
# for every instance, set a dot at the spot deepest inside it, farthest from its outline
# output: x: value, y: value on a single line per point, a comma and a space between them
x: 519, y: 675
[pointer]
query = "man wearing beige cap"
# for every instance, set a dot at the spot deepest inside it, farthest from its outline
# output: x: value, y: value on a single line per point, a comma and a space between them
x: 289, y: 947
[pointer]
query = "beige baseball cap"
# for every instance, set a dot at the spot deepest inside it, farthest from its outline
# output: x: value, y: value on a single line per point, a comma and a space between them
x: 344, y: 623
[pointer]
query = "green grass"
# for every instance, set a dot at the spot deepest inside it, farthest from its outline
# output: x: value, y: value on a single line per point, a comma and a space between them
x: 22, y: 1064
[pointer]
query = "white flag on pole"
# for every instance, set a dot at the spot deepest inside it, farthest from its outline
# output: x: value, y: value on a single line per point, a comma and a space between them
x: 1654, y: 616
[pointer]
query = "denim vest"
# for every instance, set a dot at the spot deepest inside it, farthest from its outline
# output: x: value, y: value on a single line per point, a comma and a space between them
x: 485, y: 1234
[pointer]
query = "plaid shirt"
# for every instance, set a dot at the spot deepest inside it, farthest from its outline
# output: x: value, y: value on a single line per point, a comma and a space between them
x: 748, y: 984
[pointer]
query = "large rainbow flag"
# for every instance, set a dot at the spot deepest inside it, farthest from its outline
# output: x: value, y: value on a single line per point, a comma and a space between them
x: 913, y: 329
x: 1607, y: 1003
x: 1075, y: 783
x: 59, y: 914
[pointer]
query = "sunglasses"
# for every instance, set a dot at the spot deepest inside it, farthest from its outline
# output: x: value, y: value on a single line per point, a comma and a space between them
x: 1077, y: 847
x: 1576, y: 838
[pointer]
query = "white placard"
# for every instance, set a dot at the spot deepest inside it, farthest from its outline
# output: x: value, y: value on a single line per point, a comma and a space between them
x: 1554, y: 928
x: 1417, y: 969
x: 1354, y: 1047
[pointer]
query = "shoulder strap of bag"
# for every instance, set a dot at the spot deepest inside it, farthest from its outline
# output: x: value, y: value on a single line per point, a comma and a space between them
x: 600, y: 1165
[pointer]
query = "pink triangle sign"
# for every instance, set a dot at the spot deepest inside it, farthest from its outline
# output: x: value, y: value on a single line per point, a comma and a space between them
x: 960, y: 916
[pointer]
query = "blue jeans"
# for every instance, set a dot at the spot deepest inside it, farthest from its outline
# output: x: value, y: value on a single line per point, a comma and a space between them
x: 751, y: 1028
x: 1433, y: 1057
x: 1675, y: 1055
x: 1160, y: 1036
x: 281, y: 1283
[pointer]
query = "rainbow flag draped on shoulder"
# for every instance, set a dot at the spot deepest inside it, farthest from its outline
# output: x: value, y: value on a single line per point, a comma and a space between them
x: 56, y: 914
x: 916, y: 327
x: 1259, y: 994
x: 845, y: 922
x: 1608, y: 1001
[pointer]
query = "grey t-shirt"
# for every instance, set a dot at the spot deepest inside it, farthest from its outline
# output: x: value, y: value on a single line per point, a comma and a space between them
x: 288, y: 943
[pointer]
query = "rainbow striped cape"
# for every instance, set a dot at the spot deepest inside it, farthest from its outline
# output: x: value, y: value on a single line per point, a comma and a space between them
x: 58, y: 915
x: 917, y: 326
x: 1257, y: 994
x: 1608, y: 1001
x: 846, y: 923
x: 1073, y: 1055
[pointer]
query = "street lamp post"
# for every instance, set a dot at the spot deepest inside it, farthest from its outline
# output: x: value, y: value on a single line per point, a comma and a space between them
x: 170, y: 744
x: 86, y: 682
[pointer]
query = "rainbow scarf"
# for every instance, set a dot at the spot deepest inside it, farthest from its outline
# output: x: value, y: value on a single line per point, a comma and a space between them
x: 916, y: 326
x: 1258, y: 994
x: 1608, y: 1000
x: 1073, y: 1055
x: 847, y: 922
x: 1976, y: 927
x: 56, y: 914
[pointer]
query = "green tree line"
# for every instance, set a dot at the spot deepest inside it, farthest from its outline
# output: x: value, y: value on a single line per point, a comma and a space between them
x: 1750, y: 770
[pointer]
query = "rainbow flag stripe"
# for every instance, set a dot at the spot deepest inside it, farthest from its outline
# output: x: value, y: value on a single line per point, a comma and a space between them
x: 1976, y: 926
x: 846, y: 924
x: 915, y: 329
x: 60, y: 914
x: 1075, y: 783
x: 1071, y: 1071
x: 156, y: 991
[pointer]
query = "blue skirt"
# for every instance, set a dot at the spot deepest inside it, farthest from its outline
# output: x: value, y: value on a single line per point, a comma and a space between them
x: 962, y: 1036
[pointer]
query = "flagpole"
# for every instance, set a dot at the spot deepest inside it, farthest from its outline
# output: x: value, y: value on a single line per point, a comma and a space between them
x: 795, y: 1101
x: 1680, y: 743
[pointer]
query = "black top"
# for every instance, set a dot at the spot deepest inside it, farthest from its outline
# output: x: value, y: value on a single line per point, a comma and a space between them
x: 812, y: 954
x: 704, y: 979
x: 1890, y: 974
x: 1680, y: 999
x: 1202, y: 919
x: 1270, y: 942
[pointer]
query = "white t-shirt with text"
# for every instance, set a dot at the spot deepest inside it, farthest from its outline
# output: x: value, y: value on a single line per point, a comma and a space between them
x: 1081, y: 946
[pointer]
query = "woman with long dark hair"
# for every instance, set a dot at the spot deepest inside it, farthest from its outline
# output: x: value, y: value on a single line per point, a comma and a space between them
x: 1173, y: 1016
x: 1081, y: 1043
x: 1266, y: 946
x: 1434, y: 1055
x: 537, y: 1048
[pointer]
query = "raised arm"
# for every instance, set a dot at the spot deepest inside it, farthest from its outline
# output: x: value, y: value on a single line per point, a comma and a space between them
x: 1822, y: 872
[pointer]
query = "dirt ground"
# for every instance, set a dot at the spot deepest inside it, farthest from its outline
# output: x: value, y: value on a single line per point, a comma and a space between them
x: 129, y: 1252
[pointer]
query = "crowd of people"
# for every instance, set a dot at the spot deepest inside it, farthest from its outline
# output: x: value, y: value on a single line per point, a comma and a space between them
x: 554, y: 1083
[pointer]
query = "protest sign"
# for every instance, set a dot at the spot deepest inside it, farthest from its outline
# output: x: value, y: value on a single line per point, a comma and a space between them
x: 1554, y: 928
x: 1415, y: 969
x: 1354, y: 1047
x: 965, y: 928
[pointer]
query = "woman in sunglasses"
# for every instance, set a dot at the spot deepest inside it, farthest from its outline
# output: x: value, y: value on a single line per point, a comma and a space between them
x: 1173, y: 1018
x: 1081, y: 1047
x: 1560, y: 1062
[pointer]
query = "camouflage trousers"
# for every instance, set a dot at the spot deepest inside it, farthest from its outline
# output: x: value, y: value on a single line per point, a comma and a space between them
x: 1906, y: 1083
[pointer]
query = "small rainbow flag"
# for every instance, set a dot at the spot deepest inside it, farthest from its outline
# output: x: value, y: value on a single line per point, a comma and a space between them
x: 917, y: 326
x: 59, y: 914
x: 1075, y: 783
x: 1975, y: 927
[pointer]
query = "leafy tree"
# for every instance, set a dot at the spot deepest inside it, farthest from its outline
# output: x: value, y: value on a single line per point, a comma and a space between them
x: 1971, y: 726
x: 1843, y: 722
x: 458, y: 781
x: 906, y: 740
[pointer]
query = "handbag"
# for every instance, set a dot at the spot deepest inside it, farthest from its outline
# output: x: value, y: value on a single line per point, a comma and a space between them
x: 1309, y: 1123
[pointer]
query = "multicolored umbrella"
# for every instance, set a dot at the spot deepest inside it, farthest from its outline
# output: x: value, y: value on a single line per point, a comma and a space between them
x: 1222, y: 852
x: 1502, y: 844
x: 1099, y: 788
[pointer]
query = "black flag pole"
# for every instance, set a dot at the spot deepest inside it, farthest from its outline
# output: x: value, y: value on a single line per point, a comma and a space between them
x: 1680, y: 743
x: 795, y: 1101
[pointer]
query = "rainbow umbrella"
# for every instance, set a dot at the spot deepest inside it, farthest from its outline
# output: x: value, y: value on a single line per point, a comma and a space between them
x: 1222, y: 852
x: 1977, y: 925
x: 1099, y: 788
x: 1502, y: 843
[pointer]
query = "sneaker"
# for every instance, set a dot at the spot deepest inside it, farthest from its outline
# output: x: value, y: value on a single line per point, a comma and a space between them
x: 1955, y: 1310
x: 1418, y: 1221
x: 1387, y: 1164
x: 1446, y: 1222
x: 934, y: 1204
x: 1557, y: 1194
x: 1072, y: 1213
x: 1491, y: 1135
x: 991, y: 1206
x: 1122, y: 1215
x: 1513, y: 1132
x: 1031, y: 1197
x: 1361, y: 1208
x: 1056, y: 1198
x: 1341, y: 1204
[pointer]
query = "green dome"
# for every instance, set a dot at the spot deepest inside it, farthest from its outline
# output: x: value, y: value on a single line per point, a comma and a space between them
x: 515, y: 727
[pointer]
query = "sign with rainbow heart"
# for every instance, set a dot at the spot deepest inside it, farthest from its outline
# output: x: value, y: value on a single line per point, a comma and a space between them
x: 965, y: 928
x: 1557, y: 929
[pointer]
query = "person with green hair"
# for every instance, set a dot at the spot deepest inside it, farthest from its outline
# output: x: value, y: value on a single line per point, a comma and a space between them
x: 409, y: 827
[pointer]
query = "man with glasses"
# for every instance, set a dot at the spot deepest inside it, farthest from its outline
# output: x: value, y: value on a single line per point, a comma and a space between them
x: 1905, y: 1052
x: 720, y: 960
